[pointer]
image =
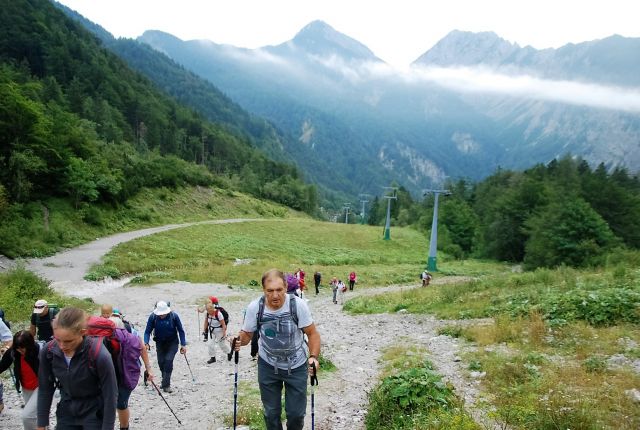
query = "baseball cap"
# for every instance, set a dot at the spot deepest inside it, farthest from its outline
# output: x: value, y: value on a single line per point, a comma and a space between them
x: 39, y: 306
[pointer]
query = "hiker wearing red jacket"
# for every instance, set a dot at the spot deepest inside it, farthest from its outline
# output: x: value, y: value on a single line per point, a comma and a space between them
x: 352, y: 280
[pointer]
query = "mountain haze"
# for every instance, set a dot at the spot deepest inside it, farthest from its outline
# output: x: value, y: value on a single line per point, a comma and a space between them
x: 351, y: 109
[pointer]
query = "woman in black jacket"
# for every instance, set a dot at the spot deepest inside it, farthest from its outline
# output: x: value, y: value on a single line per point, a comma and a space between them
x: 23, y: 354
x: 82, y: 368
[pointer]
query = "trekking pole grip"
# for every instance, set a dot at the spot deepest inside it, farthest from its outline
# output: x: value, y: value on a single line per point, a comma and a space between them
x: 236, y: 355
x: 314, y: 375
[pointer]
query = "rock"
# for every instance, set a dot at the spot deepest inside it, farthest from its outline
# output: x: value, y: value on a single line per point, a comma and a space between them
x: 478, y: 375
x: 633, y: 394
x: 457, y: 359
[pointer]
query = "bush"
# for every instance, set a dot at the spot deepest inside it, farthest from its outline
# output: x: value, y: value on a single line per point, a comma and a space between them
x: 416, y: 398
x: 19, y: 290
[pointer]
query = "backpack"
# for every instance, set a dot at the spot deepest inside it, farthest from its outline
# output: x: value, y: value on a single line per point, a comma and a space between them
x: 3, y: 319
x: 124, y: 348
x: 292, y: 283
x: 225, y: 314
x: 53, y: 311
x: 293, y: 310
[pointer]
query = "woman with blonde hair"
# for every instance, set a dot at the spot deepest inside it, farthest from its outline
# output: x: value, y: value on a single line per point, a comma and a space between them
x: 83, y: 371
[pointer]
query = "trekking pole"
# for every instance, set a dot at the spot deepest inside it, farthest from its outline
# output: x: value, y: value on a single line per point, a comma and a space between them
x: 189, y: 366
x: 15, y: 385
x: 198, y: 328
x: 235, y: 382
x: 165, y: 401
x: 314, y: 382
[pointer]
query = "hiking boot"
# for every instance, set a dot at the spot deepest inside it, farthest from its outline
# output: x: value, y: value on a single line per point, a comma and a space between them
x: 211, y: 360
x: 168, y: 389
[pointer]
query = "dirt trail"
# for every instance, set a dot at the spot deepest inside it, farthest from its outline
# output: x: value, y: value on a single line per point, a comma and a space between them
x: 353, y: 343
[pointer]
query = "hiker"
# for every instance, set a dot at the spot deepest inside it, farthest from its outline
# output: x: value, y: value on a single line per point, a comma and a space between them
x: 83, y: 370
x: 106, y: 311
x: 317, y: 278
x: 282, y: 319
x: 334, y: 288
x: 352, y: 280
x: 24, y: 355
x: 426, y: 278
x: 215, y: 328
x: 301, y: 282
x: 5, y: 343
x: 209, y: 300
x: 41, y: 320
x: 342, y: 288
x: 127, y: 325
x: 122, y: 403
x: 167, y: 331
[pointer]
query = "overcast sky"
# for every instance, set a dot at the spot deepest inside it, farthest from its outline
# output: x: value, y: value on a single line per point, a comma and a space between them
x: 397, y: 31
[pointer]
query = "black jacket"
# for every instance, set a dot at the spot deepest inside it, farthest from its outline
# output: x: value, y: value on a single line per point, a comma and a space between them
x: 13, y: 356
x: 89, y: 385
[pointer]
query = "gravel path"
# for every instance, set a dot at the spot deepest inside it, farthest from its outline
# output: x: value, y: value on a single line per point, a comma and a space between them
x: 352, y: 343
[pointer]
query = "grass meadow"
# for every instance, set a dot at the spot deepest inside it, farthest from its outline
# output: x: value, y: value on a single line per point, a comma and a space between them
x: 208, y: 253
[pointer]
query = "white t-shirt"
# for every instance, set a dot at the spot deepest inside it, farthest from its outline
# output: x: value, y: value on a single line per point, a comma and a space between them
x: 214, y: 320
x: 273, y: 346
x: 5, y: 333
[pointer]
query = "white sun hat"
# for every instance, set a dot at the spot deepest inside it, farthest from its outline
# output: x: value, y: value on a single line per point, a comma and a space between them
x: 162, y: 308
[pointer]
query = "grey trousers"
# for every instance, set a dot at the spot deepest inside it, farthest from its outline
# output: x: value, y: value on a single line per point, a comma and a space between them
x: 295, y: 395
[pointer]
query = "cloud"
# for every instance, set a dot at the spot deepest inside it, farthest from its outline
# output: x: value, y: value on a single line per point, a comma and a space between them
x: 484, y: 80
x: 481, y: 80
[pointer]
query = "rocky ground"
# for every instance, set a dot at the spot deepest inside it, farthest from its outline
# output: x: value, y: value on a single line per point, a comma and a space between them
x: 352, y: 343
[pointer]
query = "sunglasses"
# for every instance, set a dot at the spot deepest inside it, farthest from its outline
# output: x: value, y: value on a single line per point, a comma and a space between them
x: 40, y: 307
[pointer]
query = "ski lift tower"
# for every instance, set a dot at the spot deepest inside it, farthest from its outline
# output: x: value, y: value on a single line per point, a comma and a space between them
x: 363, y: 200
x: 433, y: 243
x: 390, y: 194
x: 346, y: 207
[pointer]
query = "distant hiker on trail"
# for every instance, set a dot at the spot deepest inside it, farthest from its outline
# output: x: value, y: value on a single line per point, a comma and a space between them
x: 129, y: 360
x: 317, y: 278
x: 301, y: 282
x: 167, y: 328
x: 24, y: 355
x: 334, y: 288
x: 426, y: 278
x: 41, y: 319
x: 83, y: 370
x: 215, y: 328
x: 352, y: 280
x: 342, y: 288
x: 282, y: 319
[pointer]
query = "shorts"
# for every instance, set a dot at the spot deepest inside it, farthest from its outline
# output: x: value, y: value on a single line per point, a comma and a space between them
x: 123, y: 397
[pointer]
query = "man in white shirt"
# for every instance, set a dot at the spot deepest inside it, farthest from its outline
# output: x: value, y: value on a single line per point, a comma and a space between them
x: 282, y: 319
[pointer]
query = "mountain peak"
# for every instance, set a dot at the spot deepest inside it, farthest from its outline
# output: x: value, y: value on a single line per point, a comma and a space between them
x: 320, y: 38
x: 465, y: 48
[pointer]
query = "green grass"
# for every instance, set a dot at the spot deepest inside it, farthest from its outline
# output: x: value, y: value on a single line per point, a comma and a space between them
x: 19, y: 290
x: 23, y: 234
x: 207, y: 253
x: 599, y: 296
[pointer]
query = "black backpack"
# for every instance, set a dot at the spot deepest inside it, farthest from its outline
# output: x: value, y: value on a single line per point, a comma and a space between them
x: 3, y: 319
x: 225, y: 314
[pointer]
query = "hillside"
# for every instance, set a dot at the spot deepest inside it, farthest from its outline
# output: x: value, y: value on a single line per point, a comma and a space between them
x: 78, y: 124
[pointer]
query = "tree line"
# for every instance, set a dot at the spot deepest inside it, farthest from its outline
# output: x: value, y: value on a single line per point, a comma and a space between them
x: 76, y: 122
x: 561, y: 213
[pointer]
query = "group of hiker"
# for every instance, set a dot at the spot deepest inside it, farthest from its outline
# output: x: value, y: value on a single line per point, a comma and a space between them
x: 94, y: 361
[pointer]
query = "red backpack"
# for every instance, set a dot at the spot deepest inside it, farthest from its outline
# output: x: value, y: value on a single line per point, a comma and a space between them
x: 123, y: 346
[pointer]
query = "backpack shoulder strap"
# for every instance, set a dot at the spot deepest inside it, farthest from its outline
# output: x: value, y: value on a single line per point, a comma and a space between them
x: 293, y: 309
x: 95, y: 344
x: 260, y: 311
